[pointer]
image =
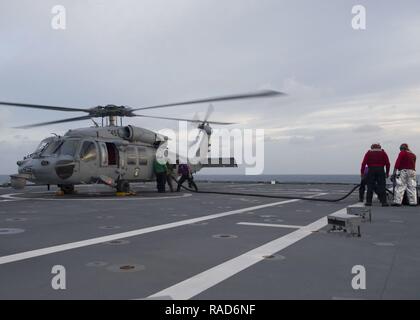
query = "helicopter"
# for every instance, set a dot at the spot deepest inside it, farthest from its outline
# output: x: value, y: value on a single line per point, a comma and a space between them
x: 111, y: 153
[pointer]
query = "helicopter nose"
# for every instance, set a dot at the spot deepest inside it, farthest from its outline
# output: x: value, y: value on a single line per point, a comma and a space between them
x: 25, y: 167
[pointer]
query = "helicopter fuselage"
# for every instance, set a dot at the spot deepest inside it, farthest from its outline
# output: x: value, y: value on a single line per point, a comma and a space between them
x: 92, y: 155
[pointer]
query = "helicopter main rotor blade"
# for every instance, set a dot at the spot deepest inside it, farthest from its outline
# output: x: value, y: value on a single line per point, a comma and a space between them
x: 188, y: 120
x: 36, y: 106
x: 53, y: 122
x: 258, y: 94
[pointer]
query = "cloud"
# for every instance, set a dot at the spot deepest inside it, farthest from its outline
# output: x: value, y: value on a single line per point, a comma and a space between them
x: 367, y: 128
x: 339, y: 82
x: 299, y: 140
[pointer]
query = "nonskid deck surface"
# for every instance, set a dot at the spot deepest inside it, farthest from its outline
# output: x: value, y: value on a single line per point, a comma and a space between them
x: 201, y: 246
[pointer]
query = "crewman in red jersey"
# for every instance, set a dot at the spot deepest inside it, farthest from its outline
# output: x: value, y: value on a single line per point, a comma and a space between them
x: 378, y: 165
x: 405, y: 177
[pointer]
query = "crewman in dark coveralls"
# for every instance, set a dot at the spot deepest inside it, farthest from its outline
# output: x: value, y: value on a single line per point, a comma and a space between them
x: 186, y: 175
x: 379, y: 166
x: 363, y: 184
x: 170, y: 175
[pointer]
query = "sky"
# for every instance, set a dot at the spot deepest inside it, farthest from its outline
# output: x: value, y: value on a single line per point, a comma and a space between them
x: 346, y: 88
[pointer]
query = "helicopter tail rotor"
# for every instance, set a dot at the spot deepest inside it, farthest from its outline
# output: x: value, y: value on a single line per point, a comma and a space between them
x: 204, y: 125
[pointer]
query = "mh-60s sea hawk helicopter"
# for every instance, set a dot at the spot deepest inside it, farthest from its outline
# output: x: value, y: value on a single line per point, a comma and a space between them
x: 110, y: 154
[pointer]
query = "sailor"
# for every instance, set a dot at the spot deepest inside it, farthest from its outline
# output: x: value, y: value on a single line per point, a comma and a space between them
x: 363, y: 184
x: 405, y: 177
x: 170, y: 175
x: 186, y: 175
x: 376, y: 160
x: 160, y: 172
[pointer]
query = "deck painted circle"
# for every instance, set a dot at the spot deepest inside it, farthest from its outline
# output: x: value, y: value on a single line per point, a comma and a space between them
x: 126, y: 268
x: 10, y: 231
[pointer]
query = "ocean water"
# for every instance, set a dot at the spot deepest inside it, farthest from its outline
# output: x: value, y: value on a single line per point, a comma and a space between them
x: 4, y: 178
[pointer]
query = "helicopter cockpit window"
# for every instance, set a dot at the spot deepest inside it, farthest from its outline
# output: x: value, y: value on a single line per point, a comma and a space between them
x: 51, y: 148
x: 41, y: 147
x: 88, y: 151
x: 69, y: 147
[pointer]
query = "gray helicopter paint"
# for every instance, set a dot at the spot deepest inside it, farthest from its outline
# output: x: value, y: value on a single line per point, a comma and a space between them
x: 118, y: 157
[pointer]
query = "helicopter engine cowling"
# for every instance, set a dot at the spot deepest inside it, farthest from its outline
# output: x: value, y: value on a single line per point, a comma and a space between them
x: 135, y: 134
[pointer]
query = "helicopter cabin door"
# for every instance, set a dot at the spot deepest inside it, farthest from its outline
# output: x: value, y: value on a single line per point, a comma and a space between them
x: 89, y: 161
x: 133, y: 171
x: 145, y: 162
x: 109, y: 160
x: 137, y: 163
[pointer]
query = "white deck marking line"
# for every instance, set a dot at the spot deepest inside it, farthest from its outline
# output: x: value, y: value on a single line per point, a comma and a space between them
x: 14, y: 197
x: 129, y: 234
x: 199, y: 283
x: 269, y: 225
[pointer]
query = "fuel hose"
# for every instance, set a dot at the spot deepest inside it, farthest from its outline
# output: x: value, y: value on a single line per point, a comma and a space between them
x: 258, y: 195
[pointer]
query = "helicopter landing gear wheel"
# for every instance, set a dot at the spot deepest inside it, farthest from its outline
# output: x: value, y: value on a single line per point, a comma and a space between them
x: 123, y: 186
x: 67, y: 189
